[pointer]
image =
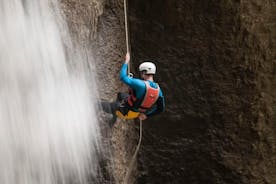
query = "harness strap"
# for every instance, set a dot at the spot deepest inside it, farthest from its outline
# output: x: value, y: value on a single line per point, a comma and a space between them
x: 132, y: 98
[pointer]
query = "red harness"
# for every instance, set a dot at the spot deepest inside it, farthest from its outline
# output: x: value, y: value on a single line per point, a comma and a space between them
x: 149, y: 99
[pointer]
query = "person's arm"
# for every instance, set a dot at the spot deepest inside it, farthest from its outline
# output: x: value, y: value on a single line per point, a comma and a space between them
x: 135, y: 84
x: 124, y: 76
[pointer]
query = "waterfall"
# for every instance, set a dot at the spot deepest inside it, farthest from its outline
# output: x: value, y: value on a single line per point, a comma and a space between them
x: 48, y: 125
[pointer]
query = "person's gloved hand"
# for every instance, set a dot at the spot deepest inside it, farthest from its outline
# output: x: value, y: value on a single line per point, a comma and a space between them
x: 142, y: 116
x: 127, y: 58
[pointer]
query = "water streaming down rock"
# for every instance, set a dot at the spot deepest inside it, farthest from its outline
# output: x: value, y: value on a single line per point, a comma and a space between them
x: 48, y: 129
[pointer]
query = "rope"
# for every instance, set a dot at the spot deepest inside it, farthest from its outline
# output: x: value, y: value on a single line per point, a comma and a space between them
x: 130, y: 167
x: 126, y: 26
x: 126, y: 31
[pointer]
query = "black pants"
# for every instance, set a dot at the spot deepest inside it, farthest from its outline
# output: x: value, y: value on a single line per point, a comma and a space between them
x: 120, y: 104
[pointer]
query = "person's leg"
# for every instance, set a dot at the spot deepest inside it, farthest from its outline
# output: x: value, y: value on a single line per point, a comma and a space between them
x: 109, y: 107
x: 122, y: 99
x: 122, y: 96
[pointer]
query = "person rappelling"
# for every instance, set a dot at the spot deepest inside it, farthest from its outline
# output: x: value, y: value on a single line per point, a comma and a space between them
x: 145, y: 97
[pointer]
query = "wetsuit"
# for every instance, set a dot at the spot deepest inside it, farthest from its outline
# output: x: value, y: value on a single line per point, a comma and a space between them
x: 139, y: 88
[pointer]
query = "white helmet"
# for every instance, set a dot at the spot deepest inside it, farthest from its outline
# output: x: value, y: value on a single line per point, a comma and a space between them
x: 149, y: 67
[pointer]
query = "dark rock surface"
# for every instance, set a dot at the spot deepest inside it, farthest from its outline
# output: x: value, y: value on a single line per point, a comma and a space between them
x: 216, y: 64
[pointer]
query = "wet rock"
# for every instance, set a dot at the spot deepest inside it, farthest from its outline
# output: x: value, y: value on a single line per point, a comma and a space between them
x: 98, y: 27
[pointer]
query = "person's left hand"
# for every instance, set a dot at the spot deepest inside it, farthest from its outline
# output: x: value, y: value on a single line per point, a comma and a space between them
x: 142, y: 116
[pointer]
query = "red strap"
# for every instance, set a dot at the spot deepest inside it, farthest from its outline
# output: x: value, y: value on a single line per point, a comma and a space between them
x: 129, y: 100
x: 132, y: 98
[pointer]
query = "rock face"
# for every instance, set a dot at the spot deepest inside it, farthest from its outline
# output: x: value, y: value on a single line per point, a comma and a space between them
x: 97, y: 27
x: 216, y: 65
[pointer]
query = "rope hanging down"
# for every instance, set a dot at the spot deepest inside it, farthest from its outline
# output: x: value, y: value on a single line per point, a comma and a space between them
x: 130, y: 167
x: 126, y: 31
x: 126, y: 25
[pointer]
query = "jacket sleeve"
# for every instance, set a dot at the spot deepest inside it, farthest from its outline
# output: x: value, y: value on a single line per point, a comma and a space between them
x: 124, y: 76
x: 135, y: 84
x: 158, y: 107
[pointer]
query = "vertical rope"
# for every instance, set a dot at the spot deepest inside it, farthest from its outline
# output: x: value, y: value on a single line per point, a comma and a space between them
x: 130, y: 167
x: 126, y: 31
x: 126, y: 25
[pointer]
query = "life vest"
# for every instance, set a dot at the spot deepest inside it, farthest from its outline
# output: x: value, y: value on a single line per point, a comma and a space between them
x: 150, y: 97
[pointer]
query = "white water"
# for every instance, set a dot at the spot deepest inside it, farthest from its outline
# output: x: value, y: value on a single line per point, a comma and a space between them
x: 48, y: 129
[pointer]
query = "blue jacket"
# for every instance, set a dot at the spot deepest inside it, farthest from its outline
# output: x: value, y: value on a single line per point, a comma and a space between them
x: 139, y: 87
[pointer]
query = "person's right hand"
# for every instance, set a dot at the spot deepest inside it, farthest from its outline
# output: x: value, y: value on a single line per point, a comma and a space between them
x: 127, y: 58
x: 142, y: 116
